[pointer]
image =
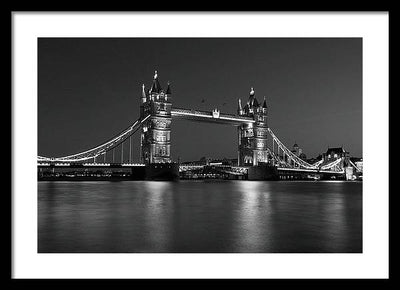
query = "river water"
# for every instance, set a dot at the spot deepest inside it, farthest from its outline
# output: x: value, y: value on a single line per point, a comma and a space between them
x: 200, y: 217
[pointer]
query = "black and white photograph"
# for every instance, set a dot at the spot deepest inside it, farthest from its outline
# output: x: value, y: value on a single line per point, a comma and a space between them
x: 200, y: 145
x: 210, y: 144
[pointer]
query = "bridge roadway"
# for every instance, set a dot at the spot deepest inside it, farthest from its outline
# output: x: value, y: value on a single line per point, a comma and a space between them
x: 210, y: 117
x: 236, y: 170
x: 244, y: 169
x: 89, y: 165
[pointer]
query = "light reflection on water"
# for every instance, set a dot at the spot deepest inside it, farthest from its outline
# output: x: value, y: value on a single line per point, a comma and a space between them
x: 157, y: 214
x: 200, y: 216
x: 253, y: 226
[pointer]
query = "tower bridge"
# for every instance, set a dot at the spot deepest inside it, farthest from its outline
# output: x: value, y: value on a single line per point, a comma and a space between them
x: 259, y: 149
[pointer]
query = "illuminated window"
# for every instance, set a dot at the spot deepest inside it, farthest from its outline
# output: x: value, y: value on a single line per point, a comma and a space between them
x: 161, y: 138
x: 248, y: 159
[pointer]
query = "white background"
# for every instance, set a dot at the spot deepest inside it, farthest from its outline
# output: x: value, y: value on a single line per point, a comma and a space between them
x: 372, y: 27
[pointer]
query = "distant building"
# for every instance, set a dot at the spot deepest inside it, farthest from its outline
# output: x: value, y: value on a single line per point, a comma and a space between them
x: 334, y: 153
x: 295, y: 149
x: 202, y: 161
x: 298, y: 151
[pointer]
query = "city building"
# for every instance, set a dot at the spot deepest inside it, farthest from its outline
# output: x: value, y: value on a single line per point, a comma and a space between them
x: 334, y: 153
x: 298, y: 151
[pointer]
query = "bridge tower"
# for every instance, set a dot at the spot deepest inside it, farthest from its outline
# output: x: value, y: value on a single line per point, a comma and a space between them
x: 252, y: 143
x: 156, y: 131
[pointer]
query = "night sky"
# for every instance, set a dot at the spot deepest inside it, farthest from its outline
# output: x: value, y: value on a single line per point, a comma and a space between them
x: 90, y: 88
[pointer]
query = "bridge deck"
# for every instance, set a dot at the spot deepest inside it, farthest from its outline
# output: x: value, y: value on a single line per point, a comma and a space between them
x: 235, y: 170
x: 207, y: 116
x: 89, y: 165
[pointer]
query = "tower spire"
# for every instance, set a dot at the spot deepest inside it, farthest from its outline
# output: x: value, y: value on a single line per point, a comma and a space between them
x: 252, y: 102
x: 143, y: 91
x: 264, y: 105
x: 156, y: 87
x: 168, y: 92
x: 255, y: 102
x: 144, y: 95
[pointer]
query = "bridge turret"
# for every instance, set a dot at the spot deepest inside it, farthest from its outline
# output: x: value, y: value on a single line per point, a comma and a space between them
x: 156, y: 132
x: 253, y: 148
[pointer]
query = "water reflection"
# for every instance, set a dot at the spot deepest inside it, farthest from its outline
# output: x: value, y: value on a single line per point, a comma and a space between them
x: 199, y: 217
x: 253, y: 227
x: 157, y: 215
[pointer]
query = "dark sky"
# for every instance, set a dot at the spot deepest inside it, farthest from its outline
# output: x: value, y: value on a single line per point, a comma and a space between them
x: 89, y: 90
